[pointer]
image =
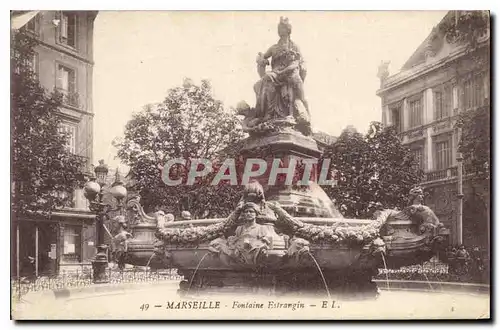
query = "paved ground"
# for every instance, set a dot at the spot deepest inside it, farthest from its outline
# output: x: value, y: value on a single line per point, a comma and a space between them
x: 126, y: 303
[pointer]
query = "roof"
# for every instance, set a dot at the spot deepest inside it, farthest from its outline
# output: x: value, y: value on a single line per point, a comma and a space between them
x: 441, y: 53
x: 18, y: 19
x: 418, y: 55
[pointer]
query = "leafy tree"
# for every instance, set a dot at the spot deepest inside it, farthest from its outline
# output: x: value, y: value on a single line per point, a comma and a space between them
x: 374, y: 171
x: 44, y: 171
x: 475, y: 142
x: 188, y: 124
x: 466, y: 28
x: 475, y: 145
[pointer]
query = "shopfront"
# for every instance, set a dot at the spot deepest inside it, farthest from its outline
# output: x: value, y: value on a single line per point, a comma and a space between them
x: 41, y: 247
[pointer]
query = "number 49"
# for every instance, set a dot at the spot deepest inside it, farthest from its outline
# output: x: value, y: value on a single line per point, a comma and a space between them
x: 144, y: 307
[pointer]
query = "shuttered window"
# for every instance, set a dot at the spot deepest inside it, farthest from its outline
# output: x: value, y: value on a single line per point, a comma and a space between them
x: 443, y: 154
x: 68, y: 28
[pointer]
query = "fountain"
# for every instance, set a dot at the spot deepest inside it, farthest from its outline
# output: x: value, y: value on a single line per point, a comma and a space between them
x: 283, y: 238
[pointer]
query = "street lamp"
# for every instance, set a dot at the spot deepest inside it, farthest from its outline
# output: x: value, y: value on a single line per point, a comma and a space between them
x: 94, y: 192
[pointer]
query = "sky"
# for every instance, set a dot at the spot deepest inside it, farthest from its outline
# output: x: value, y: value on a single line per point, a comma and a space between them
x: 139, y: 55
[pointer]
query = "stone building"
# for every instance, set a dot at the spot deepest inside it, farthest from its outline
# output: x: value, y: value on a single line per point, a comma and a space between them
x: 63, y: 60
x: 423, y: 100
x: 324, y: 139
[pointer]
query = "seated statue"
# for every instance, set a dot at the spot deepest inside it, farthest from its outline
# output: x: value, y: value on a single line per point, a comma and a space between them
x: 280, y: 92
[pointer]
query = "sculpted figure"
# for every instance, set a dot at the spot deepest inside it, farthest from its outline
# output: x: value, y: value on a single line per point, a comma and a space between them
x: 424, y: 214
x: 280, y: 92
x: 254, y: 193
x: 250, y: 241
x: 162, y: 219
x: 120, y: 241
x: 298, y: 247
x: 186, y: 215
x: 419, y: 214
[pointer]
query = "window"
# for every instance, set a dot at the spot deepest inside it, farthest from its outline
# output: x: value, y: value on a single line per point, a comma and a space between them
x: 417, y: 153
x: 443, y: 154
x: 66, y: 79
x: 72, y: 243
x: 415, y: 112
x: 479, y: 94
x: 67, y: 29
x: 468, y: 95
x: 395, y: 114
x: 70, y: 131
x: 443, y: 99
x: 66, y: 84
x: 474, y: 91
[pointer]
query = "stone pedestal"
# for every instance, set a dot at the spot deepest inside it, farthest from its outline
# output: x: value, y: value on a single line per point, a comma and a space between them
x: 301, y: 201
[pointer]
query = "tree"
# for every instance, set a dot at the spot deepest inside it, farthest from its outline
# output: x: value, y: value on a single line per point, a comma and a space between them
x: 475, y: 142
x: 188, y: 124
x: 44, y: 172
x: 373, y: 172
x: 475, y: 145
x: 467, y: 28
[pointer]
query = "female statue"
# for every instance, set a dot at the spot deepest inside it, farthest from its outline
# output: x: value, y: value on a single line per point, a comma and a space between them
x: 280, y: 92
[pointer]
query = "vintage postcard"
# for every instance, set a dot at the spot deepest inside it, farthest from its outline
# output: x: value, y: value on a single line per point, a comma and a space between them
x: 263, y: 165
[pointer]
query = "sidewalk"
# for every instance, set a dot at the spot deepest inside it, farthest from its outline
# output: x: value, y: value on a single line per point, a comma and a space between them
x: 94, y: 290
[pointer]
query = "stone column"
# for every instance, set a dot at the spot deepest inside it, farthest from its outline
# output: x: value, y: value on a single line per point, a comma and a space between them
x: 405, y: 120
x: 428, y: 117
x: 386, y: 116
x: 455, y: 101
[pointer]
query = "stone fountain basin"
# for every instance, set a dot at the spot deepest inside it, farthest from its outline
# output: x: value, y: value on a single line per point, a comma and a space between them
x: 328, y: 256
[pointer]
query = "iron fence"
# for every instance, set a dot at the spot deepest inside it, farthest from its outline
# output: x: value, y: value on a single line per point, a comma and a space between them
x: 466, y: 272
x: 429, y: 271
x: 83, y: 278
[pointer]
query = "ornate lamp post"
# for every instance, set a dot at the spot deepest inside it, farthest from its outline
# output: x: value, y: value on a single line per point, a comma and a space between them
x: 94, y: 192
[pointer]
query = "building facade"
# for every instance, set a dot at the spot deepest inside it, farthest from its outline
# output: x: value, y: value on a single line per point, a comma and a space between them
x: 438, y: 82
x: 63, y: 61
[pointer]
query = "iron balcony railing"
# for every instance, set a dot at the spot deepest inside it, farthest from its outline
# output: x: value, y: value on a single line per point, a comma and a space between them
x: 447, y: 173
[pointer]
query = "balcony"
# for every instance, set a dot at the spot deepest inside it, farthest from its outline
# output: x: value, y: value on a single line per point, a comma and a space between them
x: 439, y: 175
